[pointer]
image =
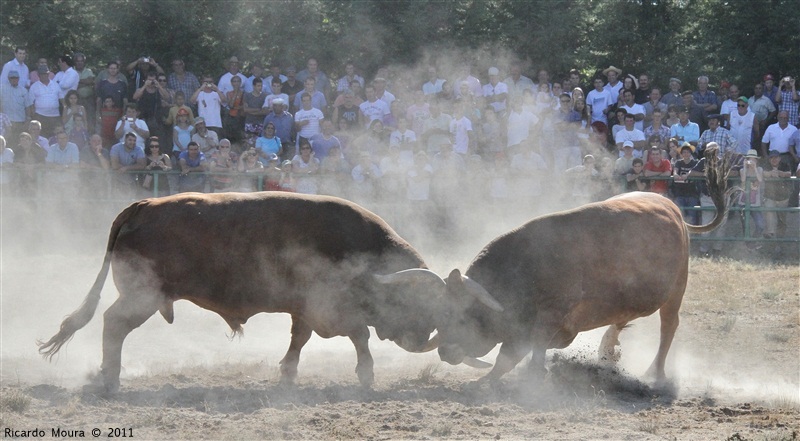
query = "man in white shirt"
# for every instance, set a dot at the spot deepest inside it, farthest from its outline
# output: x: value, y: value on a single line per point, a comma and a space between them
x: 637, y: 110
x: 68, y: 78
x: 17, y: 64
x: 496, y: 92
x: 307, y: 120
x: 777, y: 137
x: 599, y: 100
x: 434, y: 83
x: 372, y: 108
x: 209, y: 100
x: 630, y: 133
x: 614, y: 84
x: 224, y: 85
x: 743, y: 123
x: 43, y: 101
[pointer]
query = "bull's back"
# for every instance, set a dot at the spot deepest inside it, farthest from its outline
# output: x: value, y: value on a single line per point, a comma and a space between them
x: 626, y: 255
x: 206, y: 244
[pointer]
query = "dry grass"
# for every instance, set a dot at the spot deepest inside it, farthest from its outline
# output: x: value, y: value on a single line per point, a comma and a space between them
x: 15, y: 401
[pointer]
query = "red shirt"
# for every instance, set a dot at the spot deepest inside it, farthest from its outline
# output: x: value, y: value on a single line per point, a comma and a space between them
x: 659, y: 186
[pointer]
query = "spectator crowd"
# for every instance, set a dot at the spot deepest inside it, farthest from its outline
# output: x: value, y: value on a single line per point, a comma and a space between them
x: 433, y: 139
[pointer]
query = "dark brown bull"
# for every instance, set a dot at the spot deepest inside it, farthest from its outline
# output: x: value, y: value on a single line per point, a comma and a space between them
x: 605, y: 263
x: 313, y: 257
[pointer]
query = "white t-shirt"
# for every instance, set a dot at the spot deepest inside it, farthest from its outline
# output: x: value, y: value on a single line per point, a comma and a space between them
x: 129, y: 128
x: 460, y: 129
x: 599, y: 101
x: 742, y: 129
x: 209, y: 107
x: 519, y: 126
x: 374, y: 110
x: 635, y: 109
x: 314, y: 117
x: 498, y: 89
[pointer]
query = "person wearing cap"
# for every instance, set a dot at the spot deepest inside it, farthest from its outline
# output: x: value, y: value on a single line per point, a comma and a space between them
x: 777, y: 191
x: 224, y: 85
x: 685, y: 130
x: 13, y: 99
x: 788, y: 99
x: 743, y: 124
x: 770, y: 89
x: 697, y: 114
x: 284, y: 126
x: 625, y: 161
x: 703, y: 96
x: 17, y: 64
x: 720, y: 135
x: 763, y: 107
x: 613, y: 85
x: 209, y: 100
x: 182, y: 80
x: 685, y: 191
x: 752, y: 177
x: 43, y: 101
x: 779, y: 136
x: 206, y: 139
x: 496, y: 92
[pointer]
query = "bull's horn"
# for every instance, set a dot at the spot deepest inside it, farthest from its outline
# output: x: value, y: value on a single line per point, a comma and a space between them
x: 410, y: 275
x: 476, y: 363
x: 480, y: 293
x: 432, y: 344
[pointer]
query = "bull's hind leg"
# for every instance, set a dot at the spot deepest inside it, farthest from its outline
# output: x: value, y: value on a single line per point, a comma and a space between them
x: 364, y: 369
x: 301, y: 333
x: 125, y: 315
x: 608, y: 352
x: 670, y: 319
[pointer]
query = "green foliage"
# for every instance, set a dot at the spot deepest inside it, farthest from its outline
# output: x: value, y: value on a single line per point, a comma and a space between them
x: 734, y: 40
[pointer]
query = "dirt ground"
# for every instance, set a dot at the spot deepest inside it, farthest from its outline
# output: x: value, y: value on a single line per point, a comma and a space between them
x: 734, y: 369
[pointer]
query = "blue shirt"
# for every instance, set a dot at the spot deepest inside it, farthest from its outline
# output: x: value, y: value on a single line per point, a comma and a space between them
x: 689, y: 133
x: 283, y: 125
x: 70, y: 155
x: 125, y: 156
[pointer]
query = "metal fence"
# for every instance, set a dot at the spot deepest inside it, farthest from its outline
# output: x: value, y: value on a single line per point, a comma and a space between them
x: 41, y: 187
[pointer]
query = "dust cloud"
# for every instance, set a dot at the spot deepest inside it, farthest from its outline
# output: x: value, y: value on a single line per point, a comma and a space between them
x: 52, y: 251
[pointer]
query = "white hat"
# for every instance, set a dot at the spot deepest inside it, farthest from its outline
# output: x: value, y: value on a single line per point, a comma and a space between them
x: 494, y: 71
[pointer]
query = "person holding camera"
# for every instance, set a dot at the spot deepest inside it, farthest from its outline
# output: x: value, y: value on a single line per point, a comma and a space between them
x: 130, y: 123
x: 138, y: 70
x: 149, y: 98
x: 787, y: 99
x: 209, y: 101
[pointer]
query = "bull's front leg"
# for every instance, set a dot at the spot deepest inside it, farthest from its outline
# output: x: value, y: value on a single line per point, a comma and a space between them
x: 364, y: 369
x: 511, y: 353
x: 301, y: 333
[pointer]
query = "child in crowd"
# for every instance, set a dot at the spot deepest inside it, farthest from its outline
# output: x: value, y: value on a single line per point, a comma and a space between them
x: 79, y: 135
x: 109, y: 115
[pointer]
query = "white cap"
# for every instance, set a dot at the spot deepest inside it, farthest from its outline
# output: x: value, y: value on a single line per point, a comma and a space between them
x: 494, y: 71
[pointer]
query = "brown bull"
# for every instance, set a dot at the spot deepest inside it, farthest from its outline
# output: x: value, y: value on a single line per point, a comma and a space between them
x: 605, y: 263
x: 317, y: 258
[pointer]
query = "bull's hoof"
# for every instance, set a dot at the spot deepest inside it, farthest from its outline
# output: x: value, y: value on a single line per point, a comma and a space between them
x: 288, y: 373
x: 366, y: 377
x: 610, y: 356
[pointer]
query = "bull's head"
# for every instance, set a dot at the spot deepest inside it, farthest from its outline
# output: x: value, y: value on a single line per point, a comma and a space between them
x: 458, y: 337
x: 460, y: 331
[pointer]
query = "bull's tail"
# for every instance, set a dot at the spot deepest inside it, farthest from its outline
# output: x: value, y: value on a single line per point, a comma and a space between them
x: 717, y: 170
x: 81, y: 316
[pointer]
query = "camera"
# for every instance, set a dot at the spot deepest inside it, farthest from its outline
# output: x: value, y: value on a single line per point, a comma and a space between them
x: 787, y: 79
x: 146, y: 59
x: 129, y: 119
